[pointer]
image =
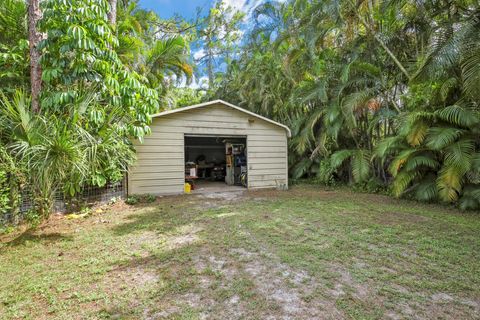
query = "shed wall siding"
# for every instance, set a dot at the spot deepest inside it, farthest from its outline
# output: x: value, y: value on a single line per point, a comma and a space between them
x: 160, y: 159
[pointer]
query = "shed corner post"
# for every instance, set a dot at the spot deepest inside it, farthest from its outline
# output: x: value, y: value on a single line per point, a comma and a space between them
x: 248, y: 163
x: 286, y: 161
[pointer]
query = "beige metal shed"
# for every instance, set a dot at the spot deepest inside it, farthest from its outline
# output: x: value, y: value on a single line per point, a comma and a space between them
x: 161, y: 158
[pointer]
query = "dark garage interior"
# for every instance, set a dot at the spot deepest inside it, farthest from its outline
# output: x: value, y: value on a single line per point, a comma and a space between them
x: 215, y: 161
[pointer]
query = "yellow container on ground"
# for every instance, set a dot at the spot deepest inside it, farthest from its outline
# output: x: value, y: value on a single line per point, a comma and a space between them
x: 188, y: 187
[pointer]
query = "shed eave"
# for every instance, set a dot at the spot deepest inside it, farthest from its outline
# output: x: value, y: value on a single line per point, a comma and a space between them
x: 209, y: 103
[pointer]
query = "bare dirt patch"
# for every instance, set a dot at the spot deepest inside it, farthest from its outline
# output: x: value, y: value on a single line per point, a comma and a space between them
x: 227, y: 196
x: 442, y: 303
x: 286, y: 287
x: 131, y: 277
x: 304, y: 192
x: 185, y: 235
x: 345, y: 282
x: 288, y: 290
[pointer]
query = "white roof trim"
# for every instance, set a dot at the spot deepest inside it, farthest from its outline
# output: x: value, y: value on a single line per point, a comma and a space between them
x: 205, y: 104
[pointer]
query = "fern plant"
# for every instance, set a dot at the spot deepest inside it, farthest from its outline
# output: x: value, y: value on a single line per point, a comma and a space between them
x: 359, y: 163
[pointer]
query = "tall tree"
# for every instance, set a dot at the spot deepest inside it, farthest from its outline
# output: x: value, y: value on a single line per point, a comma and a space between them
x: 79, y: 54
x: 112, y: 13
x: 219, y: 31
x: 378, y: 93
x: 34, y: 38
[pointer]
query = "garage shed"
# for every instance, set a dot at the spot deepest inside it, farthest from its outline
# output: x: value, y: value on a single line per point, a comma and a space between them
x: 210, y: 144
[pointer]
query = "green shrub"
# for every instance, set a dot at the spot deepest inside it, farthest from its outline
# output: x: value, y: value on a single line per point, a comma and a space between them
x: 145, y: 198
x: 132, y: 200
x: 149, y: 198
x: 33, y: 217
x: 326, y: 172
x: 372, y: 185
x: 4, y: 193
x: 12, y: 176
x: 6, y: 229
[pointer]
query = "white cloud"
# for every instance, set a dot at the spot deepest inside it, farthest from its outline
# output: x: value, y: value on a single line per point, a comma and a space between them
x: 198, y: 54
x: 236, y: 4
x: 245, y: 6
x: 197, y: 83
x: 202, y: 83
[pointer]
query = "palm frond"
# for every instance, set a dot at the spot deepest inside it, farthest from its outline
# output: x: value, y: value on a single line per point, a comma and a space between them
x: 468, y: 203
x: 471, y: 71
x: 426, y: 190
x: 444, y: 53
x: 402, y: 181
x: 357, y: 100
x: 421, y: 160
x: 339, y: 157
x: 417, y: 133
x: 459, y: 115
x: 447, y: 87
x: 476, y: 161
x: 301, y: 168
x: 441, y: 137
x: 360, y: 165
x: 388, y: 146
x: 459, y: 155
x: 410, y: 120
x: 449, y: 183
x: 400, y: 160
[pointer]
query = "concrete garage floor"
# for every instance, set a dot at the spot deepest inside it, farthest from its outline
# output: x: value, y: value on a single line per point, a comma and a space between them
x: 209, y: 187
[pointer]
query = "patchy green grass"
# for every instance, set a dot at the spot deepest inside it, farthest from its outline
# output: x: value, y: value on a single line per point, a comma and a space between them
x: 302, y: 254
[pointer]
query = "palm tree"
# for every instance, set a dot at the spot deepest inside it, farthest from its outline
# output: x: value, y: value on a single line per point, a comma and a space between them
x: 57, y: 152
x: 166, y: 58
x: 436, y: 155
x: 370, y: 86
x: 13, y: 23
x: 160, y: 58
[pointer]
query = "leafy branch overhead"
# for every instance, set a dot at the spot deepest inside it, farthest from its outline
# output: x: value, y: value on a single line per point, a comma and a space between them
x: 79, y: 54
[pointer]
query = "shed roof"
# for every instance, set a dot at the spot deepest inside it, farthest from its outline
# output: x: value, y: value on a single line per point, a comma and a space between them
x: 214, y: 102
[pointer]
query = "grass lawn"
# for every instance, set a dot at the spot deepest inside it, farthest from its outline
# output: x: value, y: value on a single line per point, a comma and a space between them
x: 302, y: 254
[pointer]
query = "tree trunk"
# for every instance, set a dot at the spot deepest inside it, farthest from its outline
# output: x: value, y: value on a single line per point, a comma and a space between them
x: 112, y: 14
x: 210, y: 71
x: 34, y: 38
x: 211, y: 75
x: 379, y: 40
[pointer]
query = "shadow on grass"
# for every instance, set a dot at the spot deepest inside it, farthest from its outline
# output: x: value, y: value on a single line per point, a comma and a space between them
x: 160, y: 280
x: 43, y: 238
x: 161, y: 217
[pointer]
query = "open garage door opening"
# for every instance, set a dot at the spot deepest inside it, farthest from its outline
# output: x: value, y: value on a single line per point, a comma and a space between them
x: 216, y: 163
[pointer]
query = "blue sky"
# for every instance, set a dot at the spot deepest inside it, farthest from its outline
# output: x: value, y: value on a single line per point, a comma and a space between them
x: 188, y: 8
x: 167, y: 8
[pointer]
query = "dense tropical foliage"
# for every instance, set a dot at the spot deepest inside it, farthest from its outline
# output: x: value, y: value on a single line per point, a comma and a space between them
x: 382, y: 94
x: 99, y: 85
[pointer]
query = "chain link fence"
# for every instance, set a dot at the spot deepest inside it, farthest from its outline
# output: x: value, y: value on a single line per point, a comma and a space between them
x: 89, y: 196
